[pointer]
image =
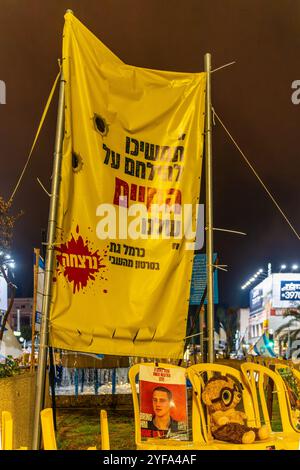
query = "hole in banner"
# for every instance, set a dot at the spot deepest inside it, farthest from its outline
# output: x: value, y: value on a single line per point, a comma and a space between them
x: 100, y: 124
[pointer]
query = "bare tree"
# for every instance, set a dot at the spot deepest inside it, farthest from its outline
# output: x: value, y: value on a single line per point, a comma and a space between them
x: 7, y: 223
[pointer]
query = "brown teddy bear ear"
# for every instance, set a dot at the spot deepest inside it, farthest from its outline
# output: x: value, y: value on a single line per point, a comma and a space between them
x: 205, y: 398
x: 218, y: 376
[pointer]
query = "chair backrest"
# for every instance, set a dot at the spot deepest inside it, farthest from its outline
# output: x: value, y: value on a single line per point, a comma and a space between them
x: 249, y: 358
x: 6, y: 431
x: 133, y: 374
x: 105, y: 445
x: 48, y: 429
x: 258, y: 377
x: 291, y: 379
x: 199, y: 374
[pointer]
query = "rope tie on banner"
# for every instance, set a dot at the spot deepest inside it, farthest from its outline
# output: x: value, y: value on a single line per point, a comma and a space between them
x: 196, y: 334
x: 257, y: 175
x: 43, y: 187
x: 223, y: 66
x: 37, y: 134
x: 221, y: 267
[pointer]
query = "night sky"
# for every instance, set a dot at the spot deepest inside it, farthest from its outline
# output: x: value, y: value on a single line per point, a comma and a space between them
x: 253, y: 97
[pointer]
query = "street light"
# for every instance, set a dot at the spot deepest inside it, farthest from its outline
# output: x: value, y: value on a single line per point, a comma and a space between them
x: 261, y: 274
x: 258, y: 276
x: 295, y: 267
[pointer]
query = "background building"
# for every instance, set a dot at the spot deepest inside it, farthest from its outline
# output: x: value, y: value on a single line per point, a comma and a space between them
x: 9, y: 345
x: 241, y: 337
x: 270, y: 304
x: 24, y: 317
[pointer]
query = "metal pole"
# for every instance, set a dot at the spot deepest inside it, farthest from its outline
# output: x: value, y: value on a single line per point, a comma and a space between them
x: 42, y: 362
x: 82, y: 380
x: 76, y: 382
x: 114, y: 381
x: 209, y: 210
x: 201, y: 328
x: 35, y: 285
x: 52, y: 384
x: 96, y: 383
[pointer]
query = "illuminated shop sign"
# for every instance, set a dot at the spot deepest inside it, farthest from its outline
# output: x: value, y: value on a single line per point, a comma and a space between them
x: 290, y: 290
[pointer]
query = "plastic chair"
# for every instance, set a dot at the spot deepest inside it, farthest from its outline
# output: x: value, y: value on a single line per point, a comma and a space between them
x: 105, y: 445
x: 257, y: 376
x: 6, y: 431
x: 198, y: 375
x: 153, y: 443
x: 48, y: 431
x: 291, y: 398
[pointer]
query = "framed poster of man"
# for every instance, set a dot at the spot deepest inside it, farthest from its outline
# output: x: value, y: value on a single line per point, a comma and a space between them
x: 163, y: 403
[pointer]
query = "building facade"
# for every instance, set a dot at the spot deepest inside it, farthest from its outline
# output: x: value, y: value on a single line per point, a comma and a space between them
x: 242, y: 333
x: 21, y: 313
x: 270, y: 303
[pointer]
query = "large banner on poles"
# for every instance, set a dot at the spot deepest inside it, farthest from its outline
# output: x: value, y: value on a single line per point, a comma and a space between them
x: 130, y: 186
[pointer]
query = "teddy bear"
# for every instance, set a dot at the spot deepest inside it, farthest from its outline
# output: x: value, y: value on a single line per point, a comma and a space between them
x: 221, y: 395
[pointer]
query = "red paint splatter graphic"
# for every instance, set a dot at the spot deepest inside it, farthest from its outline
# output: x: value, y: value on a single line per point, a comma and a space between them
x: 78, y: 263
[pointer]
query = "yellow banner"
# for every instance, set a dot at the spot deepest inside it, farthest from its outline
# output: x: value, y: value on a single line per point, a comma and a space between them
x: 133, y: 145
